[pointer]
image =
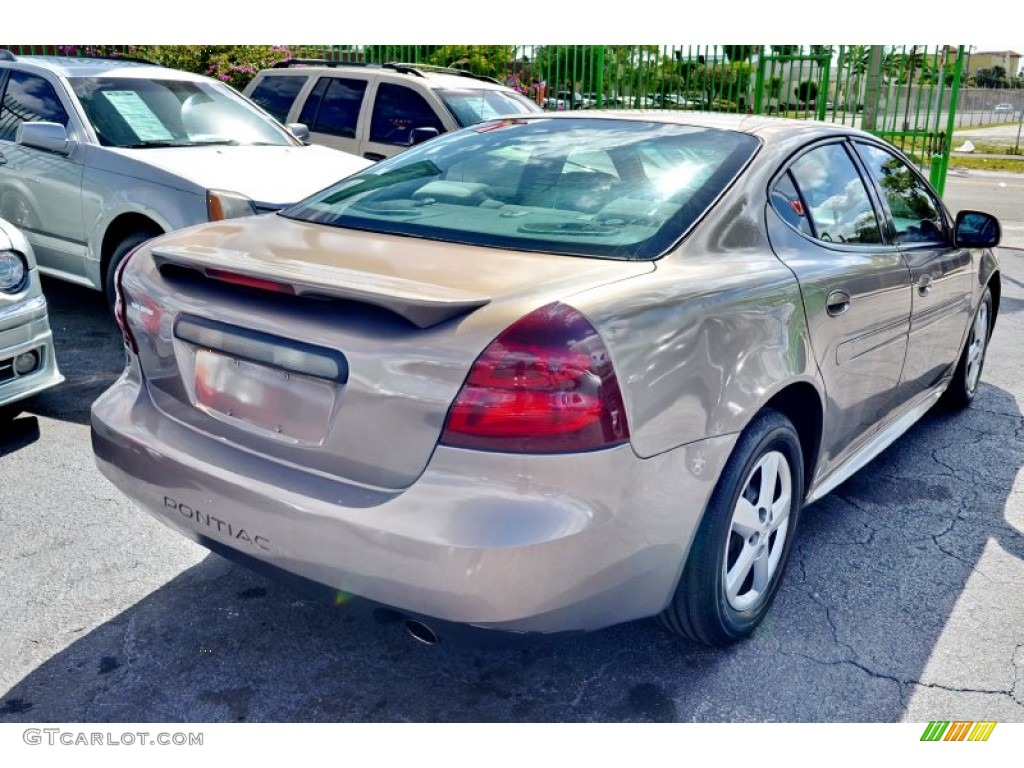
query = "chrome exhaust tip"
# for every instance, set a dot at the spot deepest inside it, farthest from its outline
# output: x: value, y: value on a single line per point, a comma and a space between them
x: 421, y: 632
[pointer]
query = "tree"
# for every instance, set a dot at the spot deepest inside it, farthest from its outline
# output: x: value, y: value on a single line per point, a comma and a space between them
x: 740, y: 52
x: 807, y: 91
x: 570, y: 65
x: 488, y: 60
x: 991, y: 77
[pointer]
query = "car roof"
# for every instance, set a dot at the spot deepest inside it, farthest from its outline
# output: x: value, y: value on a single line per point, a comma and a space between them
x: 87, y: 66
x: 433, y: 76
x: 770, y: 129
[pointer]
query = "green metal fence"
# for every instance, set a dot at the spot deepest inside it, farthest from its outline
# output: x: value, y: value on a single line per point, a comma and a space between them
x: 905, y: 94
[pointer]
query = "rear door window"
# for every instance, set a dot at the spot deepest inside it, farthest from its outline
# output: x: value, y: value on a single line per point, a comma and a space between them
x: 277, y: 94
x: 834, y: 197
x: 333, y: 106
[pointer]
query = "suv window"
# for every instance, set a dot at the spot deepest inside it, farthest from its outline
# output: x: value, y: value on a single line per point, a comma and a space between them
x: 835, y: 196
x: 28, y: 98
x: 916, y: 214
x: 333, y: 106
x: 277, y: 94
x: 396, y: 111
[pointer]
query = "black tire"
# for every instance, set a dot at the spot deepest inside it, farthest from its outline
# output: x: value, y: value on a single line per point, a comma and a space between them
x: 10, y: 412
x: 967, y: 376
x: 704, y: 608
x: 121, y: 250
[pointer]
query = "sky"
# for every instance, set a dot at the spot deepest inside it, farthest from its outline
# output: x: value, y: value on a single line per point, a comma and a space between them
x: 519, y: 22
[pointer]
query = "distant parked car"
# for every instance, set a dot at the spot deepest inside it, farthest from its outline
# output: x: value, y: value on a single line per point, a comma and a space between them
x: 1004, y: 108
x: 676, y: 101
x: 377, y: 111
x: 564, y: 100
x: 552, y: 372
x: 27, y: 361
x: 99, y: 155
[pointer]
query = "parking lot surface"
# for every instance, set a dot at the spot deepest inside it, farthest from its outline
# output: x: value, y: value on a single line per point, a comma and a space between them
x: 902, y: 601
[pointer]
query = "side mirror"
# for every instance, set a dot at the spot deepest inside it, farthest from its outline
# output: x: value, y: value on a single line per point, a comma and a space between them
x: 975, y: 229
x: 53, y: 137
x: 299, y: 130
x: 419, y: 135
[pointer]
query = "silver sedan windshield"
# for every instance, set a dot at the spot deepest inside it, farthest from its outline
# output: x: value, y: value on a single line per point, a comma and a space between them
x: 137, y: 112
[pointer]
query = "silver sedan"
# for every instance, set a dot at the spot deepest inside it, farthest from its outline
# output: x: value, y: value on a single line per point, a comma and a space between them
x: 28, y: 364
x: 549, y: 373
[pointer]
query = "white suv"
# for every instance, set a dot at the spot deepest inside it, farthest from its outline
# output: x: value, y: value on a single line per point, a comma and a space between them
x: 376, y: 111
x: 98, y: 155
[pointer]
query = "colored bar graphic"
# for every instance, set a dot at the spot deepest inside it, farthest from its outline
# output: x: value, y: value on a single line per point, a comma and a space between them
x: 982, y: 731
x: 935, y: 730
x: 958, y: 730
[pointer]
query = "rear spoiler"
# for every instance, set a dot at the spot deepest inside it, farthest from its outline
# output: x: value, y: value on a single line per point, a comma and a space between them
x: 423, y: 304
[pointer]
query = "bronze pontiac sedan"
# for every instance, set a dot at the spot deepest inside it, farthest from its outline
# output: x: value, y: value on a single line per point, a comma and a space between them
x: 549, y: 373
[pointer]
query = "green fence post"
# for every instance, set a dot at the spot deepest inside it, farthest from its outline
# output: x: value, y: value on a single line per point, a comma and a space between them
x: 938, y: 177
x: 759, y: 85
x: 600, y: 77
x: 825, y: 62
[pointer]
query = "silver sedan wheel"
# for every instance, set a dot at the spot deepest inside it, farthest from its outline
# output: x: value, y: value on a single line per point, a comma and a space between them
x: 976, y: 344
x: 758, y: 530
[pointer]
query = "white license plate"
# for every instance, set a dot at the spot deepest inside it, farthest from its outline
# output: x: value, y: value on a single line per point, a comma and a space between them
x: 287, y: 404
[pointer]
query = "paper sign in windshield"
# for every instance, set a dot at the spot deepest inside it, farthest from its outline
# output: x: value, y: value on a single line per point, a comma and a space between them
x: 138, y: 115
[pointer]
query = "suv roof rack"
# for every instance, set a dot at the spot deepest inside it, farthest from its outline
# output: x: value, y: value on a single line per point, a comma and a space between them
x: 118, y: 57
x: 405, y: 68
x: 301, y: 62
x: 419, y: 69
x: 6, y: 55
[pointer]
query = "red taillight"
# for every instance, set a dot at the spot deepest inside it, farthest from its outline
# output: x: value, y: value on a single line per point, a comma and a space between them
x: 120, y: 305
x: 248, y: 281
x: 545, y: 385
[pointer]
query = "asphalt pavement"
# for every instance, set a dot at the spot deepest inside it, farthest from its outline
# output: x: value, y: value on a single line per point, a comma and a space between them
x: 902, y: 601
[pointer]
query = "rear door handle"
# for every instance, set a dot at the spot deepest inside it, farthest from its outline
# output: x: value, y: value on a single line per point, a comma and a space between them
x: 373, y: 156
x: 924, y: 285
x: 837, y: 303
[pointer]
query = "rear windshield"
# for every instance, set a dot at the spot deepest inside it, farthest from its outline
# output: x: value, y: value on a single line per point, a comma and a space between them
x: 623, y: 189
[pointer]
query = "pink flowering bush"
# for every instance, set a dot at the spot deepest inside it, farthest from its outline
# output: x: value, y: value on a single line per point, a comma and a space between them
x: 235, y: 65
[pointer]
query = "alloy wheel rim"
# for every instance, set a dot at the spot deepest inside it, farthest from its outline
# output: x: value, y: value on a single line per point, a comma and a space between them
x: 758, y: 532
x: 976, y: 347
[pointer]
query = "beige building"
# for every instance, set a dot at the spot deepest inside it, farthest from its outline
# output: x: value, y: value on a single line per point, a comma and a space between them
x: 1008, y: 60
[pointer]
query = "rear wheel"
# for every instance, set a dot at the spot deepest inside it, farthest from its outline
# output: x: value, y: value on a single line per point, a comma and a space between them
x: 967, y: 377
x: 121, y: 250
x: 741, y: 547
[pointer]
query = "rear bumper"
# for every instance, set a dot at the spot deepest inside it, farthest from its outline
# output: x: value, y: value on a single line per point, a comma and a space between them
x: 518, y: 543
x: 25, y: 328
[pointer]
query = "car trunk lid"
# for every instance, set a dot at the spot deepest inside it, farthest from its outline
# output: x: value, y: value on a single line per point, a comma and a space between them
x: 335, y: 351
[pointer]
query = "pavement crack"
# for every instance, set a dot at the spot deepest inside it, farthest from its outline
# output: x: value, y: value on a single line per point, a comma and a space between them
x: 1017, y: 662
x: 941, y: 463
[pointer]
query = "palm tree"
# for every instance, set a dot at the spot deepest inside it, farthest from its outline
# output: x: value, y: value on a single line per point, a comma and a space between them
x: 854, y: 60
